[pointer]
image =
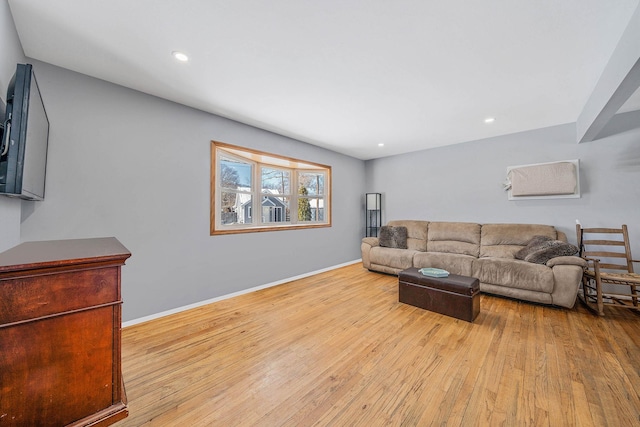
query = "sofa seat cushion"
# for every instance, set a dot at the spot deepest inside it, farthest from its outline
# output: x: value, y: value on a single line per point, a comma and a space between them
x: 453, y: 263
x: 392, y: 257
x: 505, y: 240
x: 514, y: 273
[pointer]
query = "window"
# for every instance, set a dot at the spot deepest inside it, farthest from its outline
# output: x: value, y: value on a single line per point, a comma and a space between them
x: 245, y: 181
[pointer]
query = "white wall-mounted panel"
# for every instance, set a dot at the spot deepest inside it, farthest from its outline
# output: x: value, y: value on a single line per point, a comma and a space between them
x: 544, y: 180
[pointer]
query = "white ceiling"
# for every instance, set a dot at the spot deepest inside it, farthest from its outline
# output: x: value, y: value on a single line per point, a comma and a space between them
x: 344, y: 74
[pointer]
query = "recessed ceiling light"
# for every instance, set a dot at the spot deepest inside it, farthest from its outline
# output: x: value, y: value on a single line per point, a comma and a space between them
x: 381, y: 145
x: 180, y: 56
x: 489, y: 120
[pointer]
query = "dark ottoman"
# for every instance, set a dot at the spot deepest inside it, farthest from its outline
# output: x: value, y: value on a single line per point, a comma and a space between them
x: 455, y: 296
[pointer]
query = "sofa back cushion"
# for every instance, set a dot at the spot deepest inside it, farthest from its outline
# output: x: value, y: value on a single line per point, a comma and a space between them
x: 416, y: 233
x: 504, y: 240
x: 454, y: 237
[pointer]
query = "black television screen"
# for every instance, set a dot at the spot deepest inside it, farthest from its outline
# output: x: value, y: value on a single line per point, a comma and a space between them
x: 23, y: 150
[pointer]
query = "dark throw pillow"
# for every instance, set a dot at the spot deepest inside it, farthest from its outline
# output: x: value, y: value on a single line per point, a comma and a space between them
x: 393, y: 237
x: 551, y: 249
x: 541, y: 249
x: 533, y: 245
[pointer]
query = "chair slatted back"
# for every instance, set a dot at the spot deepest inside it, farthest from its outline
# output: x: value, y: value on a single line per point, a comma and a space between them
x: 609, y: 245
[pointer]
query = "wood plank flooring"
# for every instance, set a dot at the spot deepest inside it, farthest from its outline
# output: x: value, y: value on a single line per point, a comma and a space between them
x: 338, y: 349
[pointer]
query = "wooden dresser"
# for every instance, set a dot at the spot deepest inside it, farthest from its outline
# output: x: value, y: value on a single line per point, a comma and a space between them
x: 60, y: 328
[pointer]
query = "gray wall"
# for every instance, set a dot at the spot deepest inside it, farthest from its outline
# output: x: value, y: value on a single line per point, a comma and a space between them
x: 11, y: 55
x: 126, y: 164
x: 463, y: 182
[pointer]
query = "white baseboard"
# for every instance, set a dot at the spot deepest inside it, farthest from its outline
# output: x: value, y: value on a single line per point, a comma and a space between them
x: 234, y: 294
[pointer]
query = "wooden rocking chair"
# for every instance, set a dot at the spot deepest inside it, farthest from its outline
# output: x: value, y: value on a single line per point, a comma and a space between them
x: 609, y: 278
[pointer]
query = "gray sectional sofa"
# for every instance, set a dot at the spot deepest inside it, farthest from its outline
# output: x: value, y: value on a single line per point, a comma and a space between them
x: 484, y: 251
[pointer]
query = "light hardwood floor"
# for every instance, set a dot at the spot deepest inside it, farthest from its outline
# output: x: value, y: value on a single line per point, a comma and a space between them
x: 338, y: 349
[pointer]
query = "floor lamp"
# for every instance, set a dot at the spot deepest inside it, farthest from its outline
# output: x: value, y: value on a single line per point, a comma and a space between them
x: 373, y: 214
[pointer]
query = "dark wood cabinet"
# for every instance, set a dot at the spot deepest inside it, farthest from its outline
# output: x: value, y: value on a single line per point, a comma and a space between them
x: 60, y: 329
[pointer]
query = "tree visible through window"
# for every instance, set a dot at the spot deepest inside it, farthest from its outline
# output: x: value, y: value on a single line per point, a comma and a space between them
x: 304, y: 207
x: 245, y: 181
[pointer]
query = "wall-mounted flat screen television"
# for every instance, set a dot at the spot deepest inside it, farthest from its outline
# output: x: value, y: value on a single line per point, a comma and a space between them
x: 23, y: 147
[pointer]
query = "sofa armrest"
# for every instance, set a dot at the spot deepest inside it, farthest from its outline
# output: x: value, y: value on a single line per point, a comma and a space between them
x: 567, y: 274
x: 567, y: 260
x: 371, y: 241
x: 365, y: 248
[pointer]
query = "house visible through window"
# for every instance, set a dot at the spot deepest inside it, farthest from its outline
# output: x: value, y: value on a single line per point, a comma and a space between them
x: 288, y: 193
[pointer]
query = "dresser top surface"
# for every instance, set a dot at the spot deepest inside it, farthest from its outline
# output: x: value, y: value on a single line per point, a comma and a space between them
x: 58, y: 253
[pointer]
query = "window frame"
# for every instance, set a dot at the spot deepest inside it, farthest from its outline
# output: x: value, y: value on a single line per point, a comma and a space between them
x: 258, y: 160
